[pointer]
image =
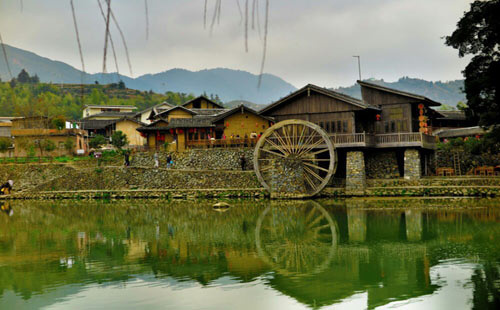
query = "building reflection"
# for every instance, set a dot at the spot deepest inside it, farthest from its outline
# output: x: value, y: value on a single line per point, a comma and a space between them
x: 316, y: 253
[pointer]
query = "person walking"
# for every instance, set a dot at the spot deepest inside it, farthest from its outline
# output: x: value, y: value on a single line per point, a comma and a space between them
x: 127, y: 158
x: 157, y: 162
x: 243, y: 162
x: 169, y: 161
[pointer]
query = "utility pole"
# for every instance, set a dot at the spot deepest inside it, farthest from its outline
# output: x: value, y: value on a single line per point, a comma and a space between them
x: 359, y: 65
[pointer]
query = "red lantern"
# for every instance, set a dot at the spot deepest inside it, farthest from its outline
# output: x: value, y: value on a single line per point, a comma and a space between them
x: 203, y: 130
x: 171, y: 131
x: 378, y: 117
x: 227, y: 124
x: 421, y: 106
x: 181, y: 131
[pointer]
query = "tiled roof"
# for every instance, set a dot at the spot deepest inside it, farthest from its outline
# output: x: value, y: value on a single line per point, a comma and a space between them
x: 430, y: 102
x: 321, y: 90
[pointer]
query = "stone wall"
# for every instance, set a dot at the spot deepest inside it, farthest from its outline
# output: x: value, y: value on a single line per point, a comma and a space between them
x: 381, y: 165
x: 355, y: 173
x: 199, y: 159
x: 148, y: 178
x: 412, y: 164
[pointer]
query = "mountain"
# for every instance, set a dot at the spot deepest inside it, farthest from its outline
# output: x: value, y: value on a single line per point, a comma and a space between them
x: 449, y: 93
x: 230, y: 85
x: 227, y: 83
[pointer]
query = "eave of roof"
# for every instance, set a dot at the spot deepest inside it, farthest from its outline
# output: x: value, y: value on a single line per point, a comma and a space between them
x: 175, y: 108
x: 203, y: 97
x: 111, y: 106
x: 110, y: 114
x: 236, y: 110
x: 321, y: 90
x: 452, y: 115
x: 430, y: 102
x: 156, y: 106
x: 460, y: 132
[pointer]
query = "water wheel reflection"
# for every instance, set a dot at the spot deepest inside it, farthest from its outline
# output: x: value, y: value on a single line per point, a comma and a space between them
x: 296, y: 239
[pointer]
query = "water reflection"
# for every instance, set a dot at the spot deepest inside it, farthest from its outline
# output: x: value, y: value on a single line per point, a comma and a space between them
x: 315, y: 253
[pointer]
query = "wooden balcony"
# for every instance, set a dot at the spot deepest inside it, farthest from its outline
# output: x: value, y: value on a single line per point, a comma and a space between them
x: 405, y: 139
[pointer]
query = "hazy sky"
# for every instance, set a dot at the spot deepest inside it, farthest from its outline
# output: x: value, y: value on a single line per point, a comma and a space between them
x: 310, y: 41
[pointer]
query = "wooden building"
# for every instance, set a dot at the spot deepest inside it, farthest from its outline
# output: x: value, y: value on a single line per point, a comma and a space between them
x: 182, y: 127
x: 385, y: 121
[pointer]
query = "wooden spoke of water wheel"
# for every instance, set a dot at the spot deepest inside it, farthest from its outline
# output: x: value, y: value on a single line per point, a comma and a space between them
x: 299, y: 240
x: 300, y: 141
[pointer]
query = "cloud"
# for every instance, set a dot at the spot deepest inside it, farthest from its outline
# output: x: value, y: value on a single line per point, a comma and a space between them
x: 309, y: 41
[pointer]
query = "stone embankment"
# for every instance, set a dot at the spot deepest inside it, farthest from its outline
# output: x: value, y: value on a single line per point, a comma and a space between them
x: 221, y: 178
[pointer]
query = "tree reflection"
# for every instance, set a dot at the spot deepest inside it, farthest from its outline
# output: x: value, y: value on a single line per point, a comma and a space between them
x: 318, y: 253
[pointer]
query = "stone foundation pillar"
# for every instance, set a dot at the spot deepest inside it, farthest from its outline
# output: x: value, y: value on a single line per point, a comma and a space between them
x: 414, y: 225
x: 413, y: 169
x: 355, y: 173
x: 356, y: 223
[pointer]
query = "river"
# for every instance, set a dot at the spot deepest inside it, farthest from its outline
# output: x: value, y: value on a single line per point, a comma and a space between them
x: 324, y: 254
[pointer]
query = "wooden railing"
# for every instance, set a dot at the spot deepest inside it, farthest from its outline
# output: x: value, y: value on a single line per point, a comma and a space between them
x: 405, y: 139
x: 348, y: 138
x: 339, y: 140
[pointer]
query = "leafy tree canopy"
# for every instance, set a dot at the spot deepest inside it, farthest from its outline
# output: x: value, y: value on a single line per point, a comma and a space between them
x: 478, y: 34
x: 97, y: 141
x: 119, y: 139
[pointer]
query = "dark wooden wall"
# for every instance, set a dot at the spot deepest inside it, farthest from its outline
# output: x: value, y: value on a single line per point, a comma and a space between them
x: 397, y: 111
x: 332, y: 114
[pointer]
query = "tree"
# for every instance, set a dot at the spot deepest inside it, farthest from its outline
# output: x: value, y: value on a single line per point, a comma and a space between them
x: 119, y: 139
x: 35, y: 79
x: 69, y: 145
x: 5, y: 144
x: 59, y: 122
x: 23, y: 77
x: 97, y: 141
x: 48, y: 145
x: 121, y: 85
x: 477, y: 34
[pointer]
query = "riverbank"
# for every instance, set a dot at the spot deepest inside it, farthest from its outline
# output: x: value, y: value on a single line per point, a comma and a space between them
x: 68, y: 181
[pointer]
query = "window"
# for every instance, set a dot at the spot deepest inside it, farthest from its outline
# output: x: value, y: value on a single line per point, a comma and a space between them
x: 344, y: 126
x: 393, y: 126
x: 386, y: 127
x: 339, y: 126
x: 321, y: 124
x: 332, y: 126
x: 327, y: 126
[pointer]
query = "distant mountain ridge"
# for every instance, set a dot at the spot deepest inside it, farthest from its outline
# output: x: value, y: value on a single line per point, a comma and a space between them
x: 230, y: 85
x: 449, y: 93
x: 227, y: 83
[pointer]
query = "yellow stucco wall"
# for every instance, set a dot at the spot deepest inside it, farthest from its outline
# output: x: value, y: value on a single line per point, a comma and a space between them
x: 104, y: 117
x: 78, y: 141
x: 96, y: 110
x: 204, y: 104
x: 151, y: 140
x: 244, y: 123
x: 179, y: 114
x: 129, y: 128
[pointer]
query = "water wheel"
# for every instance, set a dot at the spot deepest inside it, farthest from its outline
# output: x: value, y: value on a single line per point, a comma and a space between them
x: 296, y: 239
x: 294, y: 158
